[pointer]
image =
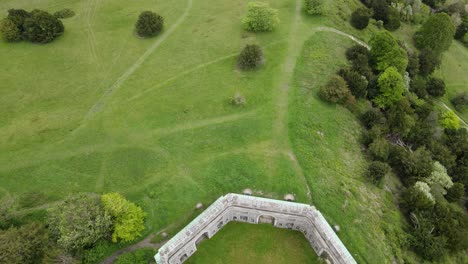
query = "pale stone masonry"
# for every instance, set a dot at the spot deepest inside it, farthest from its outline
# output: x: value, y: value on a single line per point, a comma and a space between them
x: 254, y: 210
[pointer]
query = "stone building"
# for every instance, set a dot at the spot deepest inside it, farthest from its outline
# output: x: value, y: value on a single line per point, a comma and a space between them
x: 254, y: 210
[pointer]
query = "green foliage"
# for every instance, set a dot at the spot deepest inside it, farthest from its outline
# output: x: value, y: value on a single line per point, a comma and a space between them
x: 449, y: 120
x: 360, y: 18
x: 251, y: 57
x: 359, y: 57
x: 462, y: 29
x: 100, y: 251
x: 417, y: 197
x: 8, y: 206
x: 314, y: 7
x: 9, y: 30
x: 42, y: 27
x: 460, y: 101
x: 419, y: 86
x: 436, y: 33
x: 335, y: 91
x: 128, y: 217
x: 442, y: 154
x: 381, y: 10
x: 413, y: 65
x: 412, y: 166
x: 385, y: 52
x: 79, y: 222
x: 400, y: 118
x: 139, y: 256
x: 377, y: 171
x: 149, y: 24
x: 260, y: 17
x: 439, y: 176
x: 64, y: 13
x: 356, y: 82
x: 435, y: 87
x: 455, y: 193
x: 372, y: 117
x: 380, y: 149
x: 424, y: 242
x: 23, y: 245
x: 390, y: 88
x: 428, y: 61
x: 393, y: 20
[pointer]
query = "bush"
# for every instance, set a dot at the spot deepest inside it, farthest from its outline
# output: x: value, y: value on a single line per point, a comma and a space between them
x: 314, y: 7
x: 149, y: 24
x: 418, y: 86
x: 251, y: 57
x: 377, y: 171
x: 355, y: 51
x: 335, y: 91
x: 385, y: 52
x: 436, y: 87
x: 436, y: 33
x: 372, y: 117
x: 462, y: 29
x: 10, y: 32
x: 418, y: 197
x: 42, y: 27
x: 381, y: 10
x: 360, y: 18
x: 380, y: 149
x: 390, y: 88
x: 455, y: 193
x: 413, y: 65
x: 393, y: 20
x: 260, y: 17
x: 412, y: 166
x: 425, y: 242
x: 449, y: 120
x: 64, y: 13
x: 460, y: 101
x: 356, y: 82
x: 428, y: 62
x: 139, y: 256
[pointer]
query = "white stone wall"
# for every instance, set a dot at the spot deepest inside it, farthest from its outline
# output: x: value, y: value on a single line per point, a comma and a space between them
x: 253, y: 210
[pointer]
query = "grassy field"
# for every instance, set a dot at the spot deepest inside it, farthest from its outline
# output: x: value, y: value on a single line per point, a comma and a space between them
x: 101, y: 110
x: 245, y: 243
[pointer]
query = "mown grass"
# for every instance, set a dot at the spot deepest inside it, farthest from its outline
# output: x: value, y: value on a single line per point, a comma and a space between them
x: 245, y: 243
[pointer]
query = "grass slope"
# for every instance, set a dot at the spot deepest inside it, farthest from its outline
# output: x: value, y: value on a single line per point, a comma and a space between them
x: 255, y: 244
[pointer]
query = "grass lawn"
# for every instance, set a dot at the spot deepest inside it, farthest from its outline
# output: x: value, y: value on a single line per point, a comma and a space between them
x: 245, y: 243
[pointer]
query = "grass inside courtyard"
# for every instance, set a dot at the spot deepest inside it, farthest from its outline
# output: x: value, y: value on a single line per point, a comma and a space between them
x: 246, y: 243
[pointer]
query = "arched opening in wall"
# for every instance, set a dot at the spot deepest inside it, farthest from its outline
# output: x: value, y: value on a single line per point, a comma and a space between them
x: 201, y: 238
x: 266, y: 219
x: 325, y: 256
x: 183, y: 258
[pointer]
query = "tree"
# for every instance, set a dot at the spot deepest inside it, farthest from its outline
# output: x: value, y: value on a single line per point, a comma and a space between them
x: 442, y: 154
x: 400, y: 118
x: 42, y: 27
x: 419, y: 86
x: 381, y: 10
x: 377, y: 171
x: 462, y: 29
x: 314, y: 7
x: 380, y: 149
x: 10, y: 32
x: 149, y: 24
x: 436, y: 87
x: 390, y: 88
x: 418, y: 197
x: 423, y: 240
x: 18, y: 16
x: 460, y: 101
x: 371, y: 117
x: 128, y: 217
x: 393, y: 20
x: 251, y: 57
x: 360, y: 18
x: 385, y: 52
x: 413, y: 65
x: 428, y: 61
x: 449, y: 120
x: 455, y: 193
x: 412, y: 166
x: 23, y: 245
x: 335, y: 91
x: 436, y: 33
x: 355, y: 51
x: 439, y: 175
x: 260, y: 17
x: 79, y: 222
x: 356, y: 82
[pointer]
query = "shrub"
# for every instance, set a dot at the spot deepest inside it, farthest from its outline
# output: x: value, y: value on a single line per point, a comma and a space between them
x: 418, y: 86
x: 10, y: 32
x: 418, y: 197
x: 360, y: 18
x: 390, y: 88
x: 436, y: 87
x: 462, y: 29
x: 356, y: 82
x: 380, y: 149
x: 436, y: 33
x: 439, y: 176
x: 128, y: 217
x: 42, y: 27
x: 460, y: 101
x: 64, y: 13
x: 412, y: 166
x: 413, y: 65
x: 314, y: 7
x: 18, y: 16
x: 139, y: 256
x: 455, y: 193
x: 400, y: 118
x: 393, y: 20
x: 355, y: 51
x: 79, y: 222
x: 149, y: 24
x: 335, y: 91
x: 377, y: 171
x: 385, y: 52
x: 372, y: 117
x: 425, y: 242
x: 428, y: 62
x: 381, y: 10
x: 251, y: 57
x: 260, y: 17
x: 25, y: 244
x: 449, y: 120
x: 442, y: 153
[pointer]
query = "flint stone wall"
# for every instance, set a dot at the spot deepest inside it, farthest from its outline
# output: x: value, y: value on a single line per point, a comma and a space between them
x: 254, y: 210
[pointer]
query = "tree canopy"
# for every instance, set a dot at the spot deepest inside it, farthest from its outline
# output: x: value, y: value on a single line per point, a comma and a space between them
x: 436, y: 33
x: 391, y: 88
x: 385, y: 52
x: 26, y: 244
x: 149, y: 24
x: 260, y: 17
